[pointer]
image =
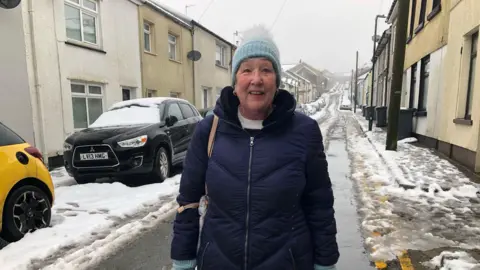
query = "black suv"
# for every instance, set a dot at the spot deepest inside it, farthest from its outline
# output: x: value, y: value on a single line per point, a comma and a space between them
x: 140, y: 136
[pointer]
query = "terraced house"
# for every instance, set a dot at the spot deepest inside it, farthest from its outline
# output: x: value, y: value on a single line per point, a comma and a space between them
x: 181, y: 57
x: 64, y: 63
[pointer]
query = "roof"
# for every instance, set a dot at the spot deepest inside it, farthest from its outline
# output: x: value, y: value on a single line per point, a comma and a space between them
x: 182, y: 19
x: 288, y: 66
x: 383, y: 42
x: 392, y: 13
x: 170, y: 13
x: 296, y: 75
x: 146, y: 102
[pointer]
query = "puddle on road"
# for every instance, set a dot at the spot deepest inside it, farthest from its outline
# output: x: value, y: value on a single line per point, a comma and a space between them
x: 349, y: 236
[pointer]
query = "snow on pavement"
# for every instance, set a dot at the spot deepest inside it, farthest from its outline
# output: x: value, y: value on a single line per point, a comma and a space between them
x: 438, y: 209
x: 83, y: 213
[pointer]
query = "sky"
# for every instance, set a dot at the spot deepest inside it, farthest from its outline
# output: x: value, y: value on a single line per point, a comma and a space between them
x: 323, y: 33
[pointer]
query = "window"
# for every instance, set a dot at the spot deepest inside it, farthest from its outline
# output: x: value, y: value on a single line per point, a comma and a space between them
x: 174, y: 110
x: 424, y: 75
x: 151, y: 93
x: 194, y: 110
x: 423, y: 7
x: 81, y: 20
x: 172, y: 47
x: 220, y: 55
x: 87, y: 103
x: 413, y: 82
x: 471, y: 75
x: 128, y: 93
x: 205, y: 98
x: 147, y: 37
x: 174, y: 94
x: 186, y: 110
x: 8, y: 137
x: 412, y: 16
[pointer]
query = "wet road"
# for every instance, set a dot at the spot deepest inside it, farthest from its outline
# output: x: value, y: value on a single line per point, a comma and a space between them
x: 152, y: 249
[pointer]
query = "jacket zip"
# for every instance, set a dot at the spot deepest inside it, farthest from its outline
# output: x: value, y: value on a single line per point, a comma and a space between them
x: 293, y: 259
x: 248, y: 200
x: 203, y: 254
x: 247, y: 219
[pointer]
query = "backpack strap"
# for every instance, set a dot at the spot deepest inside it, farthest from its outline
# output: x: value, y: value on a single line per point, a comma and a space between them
x: 211, y: 141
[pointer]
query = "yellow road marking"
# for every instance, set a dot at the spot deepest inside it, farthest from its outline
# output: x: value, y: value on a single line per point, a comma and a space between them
x: 405, y: 261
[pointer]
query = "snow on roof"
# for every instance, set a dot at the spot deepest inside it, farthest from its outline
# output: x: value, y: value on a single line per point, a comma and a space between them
x: 295, y: 74
x: 171, y: 12
x: 146, y: 102
x: 287, y: 67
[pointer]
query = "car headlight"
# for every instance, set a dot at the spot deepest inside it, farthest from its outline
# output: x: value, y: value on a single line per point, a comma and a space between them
x: 135, y: 142
x: 67, y: 147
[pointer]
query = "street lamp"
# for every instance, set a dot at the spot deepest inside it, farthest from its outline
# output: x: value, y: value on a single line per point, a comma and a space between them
x: 375, y: 39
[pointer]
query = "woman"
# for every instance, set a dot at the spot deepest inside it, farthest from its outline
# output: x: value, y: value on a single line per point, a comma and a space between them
x: 270, y: 201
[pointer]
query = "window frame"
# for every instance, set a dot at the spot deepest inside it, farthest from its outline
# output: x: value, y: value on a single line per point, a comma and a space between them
x: 423, y: 12
x: 148, y: 32
x: 85, y: 10
x: 413, y: 83
x: 87, y: 95
x: 174, y: 43
x: 412, y: 17
x: 424, y: 75
x: 471, y: 75
x: 223, y: 57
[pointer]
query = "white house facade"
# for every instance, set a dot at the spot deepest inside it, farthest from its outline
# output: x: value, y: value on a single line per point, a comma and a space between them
x: 81, y: 57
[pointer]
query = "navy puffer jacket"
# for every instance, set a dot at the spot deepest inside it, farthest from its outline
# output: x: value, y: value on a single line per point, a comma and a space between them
x: 270, y: 195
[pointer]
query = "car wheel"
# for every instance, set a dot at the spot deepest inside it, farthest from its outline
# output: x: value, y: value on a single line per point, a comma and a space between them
x: 27, y: 209
x: 162, y: 165
x: 85, y: 180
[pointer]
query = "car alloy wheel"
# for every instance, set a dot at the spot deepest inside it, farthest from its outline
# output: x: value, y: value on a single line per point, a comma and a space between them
x: 163, y: 164
x: 27, y: 209
x: 30, y: 212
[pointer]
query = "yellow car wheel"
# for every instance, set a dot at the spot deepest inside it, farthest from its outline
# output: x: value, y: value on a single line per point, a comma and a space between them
x: 27, y: 209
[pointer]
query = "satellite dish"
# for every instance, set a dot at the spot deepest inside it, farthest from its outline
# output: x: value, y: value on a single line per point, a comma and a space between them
x: 9, y: 4
x: 192, y: 55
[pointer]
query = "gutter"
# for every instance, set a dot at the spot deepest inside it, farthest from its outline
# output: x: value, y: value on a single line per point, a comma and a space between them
x: 40, y: 111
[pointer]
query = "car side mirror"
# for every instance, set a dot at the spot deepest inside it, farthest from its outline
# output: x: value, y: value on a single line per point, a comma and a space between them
x: 171, y: 120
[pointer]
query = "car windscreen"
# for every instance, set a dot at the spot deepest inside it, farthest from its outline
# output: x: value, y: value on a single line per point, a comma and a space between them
x: 8, y: 137
x: 133, y: 114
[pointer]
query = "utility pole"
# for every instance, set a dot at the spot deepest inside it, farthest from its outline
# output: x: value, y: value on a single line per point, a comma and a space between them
x: 351, y: 88
x: 371, y: 111
x: 397, y: 74
x: 356, y: 85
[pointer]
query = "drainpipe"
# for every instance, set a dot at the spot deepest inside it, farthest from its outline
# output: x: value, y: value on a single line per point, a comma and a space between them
x: 60, y: 75
x: 192, y: 31
x: 388, y: 70
x: 40, y: 112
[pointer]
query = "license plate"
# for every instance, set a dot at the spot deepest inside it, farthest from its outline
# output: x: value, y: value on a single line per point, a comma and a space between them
x: 94, y: 156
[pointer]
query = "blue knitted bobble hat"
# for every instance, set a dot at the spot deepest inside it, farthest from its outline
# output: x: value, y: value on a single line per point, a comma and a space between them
x: 257, y: 42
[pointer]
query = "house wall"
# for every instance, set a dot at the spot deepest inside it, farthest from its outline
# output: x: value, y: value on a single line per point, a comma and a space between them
x: 208, y: 75
x: 112, y: 64
x: 159, y: 73
x: 15, y: 99
x: 464, y: 19
x: 433, y: 36
x: 429, y: 125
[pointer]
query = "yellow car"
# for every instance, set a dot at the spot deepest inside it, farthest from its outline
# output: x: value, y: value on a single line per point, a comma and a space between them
x: 26, y: 187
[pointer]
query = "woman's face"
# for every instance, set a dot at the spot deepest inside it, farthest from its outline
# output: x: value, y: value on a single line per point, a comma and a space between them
x: 256, y: 85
